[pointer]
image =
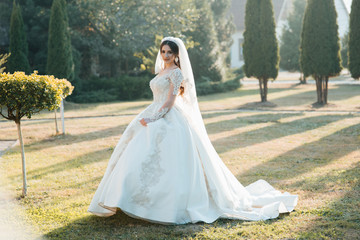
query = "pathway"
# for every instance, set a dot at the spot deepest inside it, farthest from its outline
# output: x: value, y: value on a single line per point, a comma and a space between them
x: 285, y: 77
x: 12, y: 226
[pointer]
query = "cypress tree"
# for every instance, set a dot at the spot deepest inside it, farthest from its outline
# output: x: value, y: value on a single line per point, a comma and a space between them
x: 320, y: 47
x: 205, y: 59
x: 60, y: 61
x: 261, y: 53
x: 354, y: 40
x: 18, y: 60
x: 290, y: 39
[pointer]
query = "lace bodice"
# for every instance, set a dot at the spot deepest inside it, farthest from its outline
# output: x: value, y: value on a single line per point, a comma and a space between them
x: 165, y: 88
x: 160, y: 85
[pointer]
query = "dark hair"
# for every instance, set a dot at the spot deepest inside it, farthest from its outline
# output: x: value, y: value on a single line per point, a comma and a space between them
x: 175, y: 49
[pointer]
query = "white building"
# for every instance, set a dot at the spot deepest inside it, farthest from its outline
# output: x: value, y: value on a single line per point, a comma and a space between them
x: 282, y: 9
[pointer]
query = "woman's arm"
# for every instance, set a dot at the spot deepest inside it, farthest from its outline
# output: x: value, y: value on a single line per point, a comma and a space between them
x: 175, y: 83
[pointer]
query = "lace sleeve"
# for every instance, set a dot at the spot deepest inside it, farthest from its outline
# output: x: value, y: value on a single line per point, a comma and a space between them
x: 176, y: 79
x: 159, y: 114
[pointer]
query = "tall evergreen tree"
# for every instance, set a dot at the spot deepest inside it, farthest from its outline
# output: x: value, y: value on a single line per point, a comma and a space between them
x: 290, y: 39
x: 204, y: 56
x: 261, y: 53
x: 225, y: 27
x: 18, y: 60
x: 60, y: 60
x: 36, y: 16
x: 354, y: 40
x: 320, y: 46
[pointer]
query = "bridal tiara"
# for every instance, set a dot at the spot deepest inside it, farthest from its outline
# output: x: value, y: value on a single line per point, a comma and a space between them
x: 172, y: 39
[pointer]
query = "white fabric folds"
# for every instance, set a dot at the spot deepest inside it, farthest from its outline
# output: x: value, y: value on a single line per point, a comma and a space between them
x: 170, y: 173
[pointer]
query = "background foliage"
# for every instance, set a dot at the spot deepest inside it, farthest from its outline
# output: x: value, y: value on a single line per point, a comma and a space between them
x: 354, y: 40
x: 18, y: 60
x: 111, y: 39
x: 290, y: 39
x: 24, y: 95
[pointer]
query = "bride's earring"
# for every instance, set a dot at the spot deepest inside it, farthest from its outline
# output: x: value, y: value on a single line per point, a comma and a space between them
x: 176, y: 59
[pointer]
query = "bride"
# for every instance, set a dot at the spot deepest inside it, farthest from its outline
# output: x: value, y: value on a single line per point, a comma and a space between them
x: 164, y: 168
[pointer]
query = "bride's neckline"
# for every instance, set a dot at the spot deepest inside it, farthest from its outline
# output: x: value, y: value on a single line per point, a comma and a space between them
x: 167, y: 72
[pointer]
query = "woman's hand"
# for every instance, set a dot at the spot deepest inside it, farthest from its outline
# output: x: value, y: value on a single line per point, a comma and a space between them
x: 144, y: 121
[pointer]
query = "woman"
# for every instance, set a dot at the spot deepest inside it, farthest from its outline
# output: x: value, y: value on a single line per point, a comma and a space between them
x: 164, y: 168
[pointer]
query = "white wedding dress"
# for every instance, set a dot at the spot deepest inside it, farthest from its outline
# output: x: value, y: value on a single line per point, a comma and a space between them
x: 168, y: 173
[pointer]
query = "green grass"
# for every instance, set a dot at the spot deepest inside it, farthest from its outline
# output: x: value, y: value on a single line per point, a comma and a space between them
x: 313, y: 154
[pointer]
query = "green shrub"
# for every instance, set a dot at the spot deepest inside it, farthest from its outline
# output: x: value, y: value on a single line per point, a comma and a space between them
x: 124, y: 87
x: 207, y: 87
x: 94, y: 96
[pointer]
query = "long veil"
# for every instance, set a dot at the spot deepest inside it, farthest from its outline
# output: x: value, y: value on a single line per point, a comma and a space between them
x: 228, y: 194
x: 200, y: 166
x: 188, y: 102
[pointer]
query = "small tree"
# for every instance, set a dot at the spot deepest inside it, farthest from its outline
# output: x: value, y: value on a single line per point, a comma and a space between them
x: 24, y: 95
x: 290, y: 39
x: 261, y: 53
x: 320, y: 47
x: 3, y: 59
x: 354, y: 40
x: 204, y: 56
x: 18, y: 60
x: 60, y: 61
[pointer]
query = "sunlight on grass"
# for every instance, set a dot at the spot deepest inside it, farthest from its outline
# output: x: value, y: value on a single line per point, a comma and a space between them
x: 313, y: 154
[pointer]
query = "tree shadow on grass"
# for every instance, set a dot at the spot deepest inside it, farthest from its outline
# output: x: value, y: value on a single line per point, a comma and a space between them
x: 309, y: 97
x: 277, y: 130
x: 347, y: 91
x: 307, y: 157
x: 121, y: 226
x: 236, y: 94
x: 76, y: 162
x: 341, y: 218
x: 69, y: 139
x: 217, y: 114
x: 228, y: 125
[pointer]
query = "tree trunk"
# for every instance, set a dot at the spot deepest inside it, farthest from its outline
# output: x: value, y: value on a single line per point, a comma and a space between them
x: 261, y: 89
x: 62, y: 116
x: 265, y: 89
x: 24, y: 190
x: 302, y: 78
x: 321, y: 89
x: 56, y: 124
x: 326, y: 90
x: 318, y: 92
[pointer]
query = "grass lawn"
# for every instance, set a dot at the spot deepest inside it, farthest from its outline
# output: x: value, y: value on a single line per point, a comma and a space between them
x: 313, y: 154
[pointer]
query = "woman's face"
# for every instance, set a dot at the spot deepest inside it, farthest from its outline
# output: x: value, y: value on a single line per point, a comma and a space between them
x: 167, y: 55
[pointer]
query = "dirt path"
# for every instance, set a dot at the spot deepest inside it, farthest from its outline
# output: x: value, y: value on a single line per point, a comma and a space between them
x: 12, y: 226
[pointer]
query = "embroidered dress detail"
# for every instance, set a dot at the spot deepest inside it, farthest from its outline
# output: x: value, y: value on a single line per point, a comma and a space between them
x: 176, y: 79
x: 159, y: 114
x: 161, y: 86
x: 169, y: 172
x: 151, y: 171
